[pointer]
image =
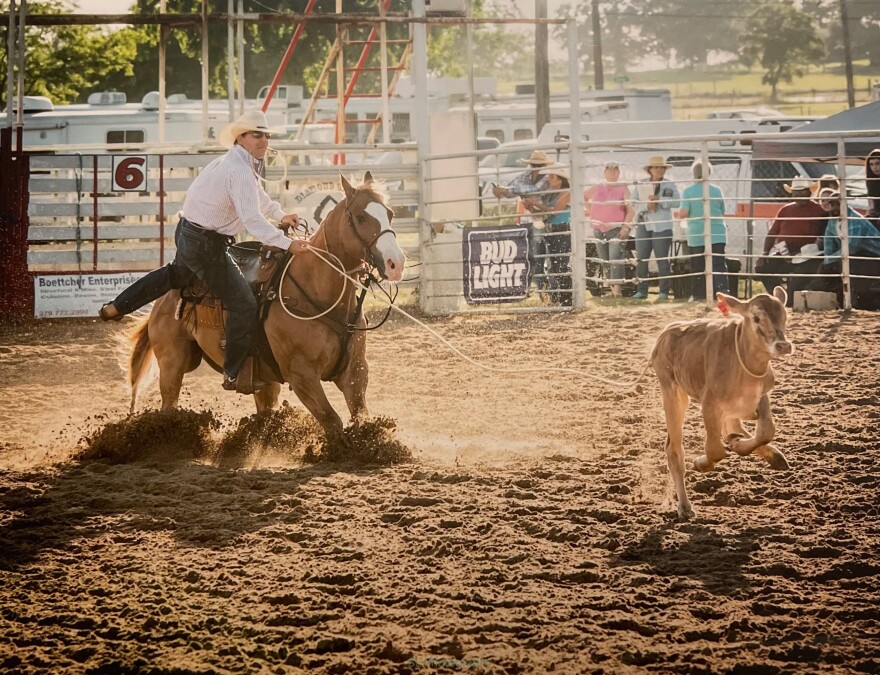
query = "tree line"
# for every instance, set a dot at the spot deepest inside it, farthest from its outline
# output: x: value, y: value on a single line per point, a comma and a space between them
x: 781, y: 37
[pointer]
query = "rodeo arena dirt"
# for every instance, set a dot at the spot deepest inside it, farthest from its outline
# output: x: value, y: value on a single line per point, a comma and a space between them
x: 494, y: 521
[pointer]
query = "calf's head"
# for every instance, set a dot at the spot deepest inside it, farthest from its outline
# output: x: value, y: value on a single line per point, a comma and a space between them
x: 764, y: 317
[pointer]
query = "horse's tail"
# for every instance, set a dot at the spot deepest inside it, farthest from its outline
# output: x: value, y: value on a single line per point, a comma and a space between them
x: 140, y: 360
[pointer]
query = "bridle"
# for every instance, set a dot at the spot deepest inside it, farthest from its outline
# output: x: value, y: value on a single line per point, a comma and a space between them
x: 367, y: 244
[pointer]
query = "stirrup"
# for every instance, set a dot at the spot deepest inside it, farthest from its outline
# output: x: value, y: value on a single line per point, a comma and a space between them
x: 102, y: 313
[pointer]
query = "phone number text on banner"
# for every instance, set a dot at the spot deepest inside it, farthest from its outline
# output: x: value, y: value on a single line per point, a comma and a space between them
x: 496, y: 264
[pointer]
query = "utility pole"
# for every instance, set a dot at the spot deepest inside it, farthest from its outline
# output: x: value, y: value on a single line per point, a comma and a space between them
x: 598, y: 73
x: 847, y: 55
x: 542, y: 69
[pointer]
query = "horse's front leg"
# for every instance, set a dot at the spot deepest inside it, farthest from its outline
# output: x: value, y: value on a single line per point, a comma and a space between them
x: 311, y: 393
x: 267, y: 397
x: 353, y: 383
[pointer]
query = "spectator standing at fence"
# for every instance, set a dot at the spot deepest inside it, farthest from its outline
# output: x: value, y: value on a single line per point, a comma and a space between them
x: 872, y: 184
x: 693, y: 208
x: 657, y: 197
x: 530, y: 183
x: 607, y: 208
x: 224, y: 199
x: 864, y: 249
x: 799, y: 223
x: 555, y: 208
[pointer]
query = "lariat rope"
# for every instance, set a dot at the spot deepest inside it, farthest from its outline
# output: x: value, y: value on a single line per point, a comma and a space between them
x: 739, y: 358
x: 331, y: 307
x: 456, y: 350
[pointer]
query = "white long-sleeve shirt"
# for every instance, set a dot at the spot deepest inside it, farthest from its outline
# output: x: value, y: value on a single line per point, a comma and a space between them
x: 227, y: 197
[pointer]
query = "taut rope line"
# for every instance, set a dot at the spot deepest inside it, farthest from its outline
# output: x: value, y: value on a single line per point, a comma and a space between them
x: 456, y: 350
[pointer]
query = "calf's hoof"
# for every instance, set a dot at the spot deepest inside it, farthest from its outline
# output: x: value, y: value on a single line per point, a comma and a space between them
x: 685, y: 511
x: 773, y: 457
x: 703, y: 463
x: 740, y: 444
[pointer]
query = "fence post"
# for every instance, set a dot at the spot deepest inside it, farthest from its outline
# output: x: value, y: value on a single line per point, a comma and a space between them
x: 843, y: 224
x: 707, y: 226
x: 576, y: 185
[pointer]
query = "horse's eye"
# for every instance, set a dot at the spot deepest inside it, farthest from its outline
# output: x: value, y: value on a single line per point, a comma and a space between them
x: 361, y: 219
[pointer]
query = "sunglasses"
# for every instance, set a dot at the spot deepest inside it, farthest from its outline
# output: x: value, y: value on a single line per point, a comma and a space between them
x: 259, y: 134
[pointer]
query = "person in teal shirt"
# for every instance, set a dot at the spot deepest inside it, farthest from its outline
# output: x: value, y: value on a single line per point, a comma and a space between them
x: 864, y: 247
x: 692, y: 208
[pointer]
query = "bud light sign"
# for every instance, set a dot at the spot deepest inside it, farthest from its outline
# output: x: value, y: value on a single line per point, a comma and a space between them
x: 496, y: 264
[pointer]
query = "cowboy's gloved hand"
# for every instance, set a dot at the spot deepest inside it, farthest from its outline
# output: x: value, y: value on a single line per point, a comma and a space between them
x: 298, y: 246
x: 288, y: 221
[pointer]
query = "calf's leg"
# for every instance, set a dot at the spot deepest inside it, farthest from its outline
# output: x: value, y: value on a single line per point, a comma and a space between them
x: 674, y: 406
x: 714, y: 447
x: 765, y: 430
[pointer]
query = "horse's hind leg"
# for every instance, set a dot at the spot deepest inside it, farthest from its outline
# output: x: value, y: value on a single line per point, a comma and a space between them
x: 175, y: 359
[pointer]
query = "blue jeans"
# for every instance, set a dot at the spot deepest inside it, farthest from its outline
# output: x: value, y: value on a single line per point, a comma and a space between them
x: 719, y: 271
x: 558, y: 241
x: 203, y: 254
x: 659, y: 243
x: 610, y: 248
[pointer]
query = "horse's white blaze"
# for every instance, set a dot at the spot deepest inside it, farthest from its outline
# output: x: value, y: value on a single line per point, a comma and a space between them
x: 387, y: 245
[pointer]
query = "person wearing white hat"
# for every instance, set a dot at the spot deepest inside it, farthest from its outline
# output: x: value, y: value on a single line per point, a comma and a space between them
x: 225, y: 199
x: 799, y: 223
x: 657, y: 197
x: 863, y: 242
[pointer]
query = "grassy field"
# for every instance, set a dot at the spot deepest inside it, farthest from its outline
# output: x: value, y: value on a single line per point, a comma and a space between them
x: 820, y: 91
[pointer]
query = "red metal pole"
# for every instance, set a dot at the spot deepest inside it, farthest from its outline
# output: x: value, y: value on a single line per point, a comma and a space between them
x: 286, y: 59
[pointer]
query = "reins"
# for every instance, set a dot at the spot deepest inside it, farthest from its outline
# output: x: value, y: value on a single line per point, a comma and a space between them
x: 739, y: 357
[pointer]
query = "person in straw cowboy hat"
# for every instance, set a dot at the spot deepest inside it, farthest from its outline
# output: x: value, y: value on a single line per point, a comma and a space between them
x: 799, y: 223
x: 224, y: 199
x: 657, y: 198
x: 526, y: 184
x: 555, y: 207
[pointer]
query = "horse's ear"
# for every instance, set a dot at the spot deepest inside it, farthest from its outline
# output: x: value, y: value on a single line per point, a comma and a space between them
x: 368, y: 179
x: 346, y: 187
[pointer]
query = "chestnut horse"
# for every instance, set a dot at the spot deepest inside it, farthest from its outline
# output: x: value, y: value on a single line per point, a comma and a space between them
x: 357, y: 231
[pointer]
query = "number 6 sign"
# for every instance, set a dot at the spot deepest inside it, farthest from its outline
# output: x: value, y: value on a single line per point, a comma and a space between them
x: 129, y: 173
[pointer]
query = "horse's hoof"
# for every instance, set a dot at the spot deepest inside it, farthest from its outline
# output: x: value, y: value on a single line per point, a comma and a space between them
x: 703, y: 463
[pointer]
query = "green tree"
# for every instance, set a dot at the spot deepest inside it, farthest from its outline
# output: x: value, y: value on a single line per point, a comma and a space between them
x: 623, y: 41
x: 864, y: 29
x: 65, y: 63
x: 782, y: 39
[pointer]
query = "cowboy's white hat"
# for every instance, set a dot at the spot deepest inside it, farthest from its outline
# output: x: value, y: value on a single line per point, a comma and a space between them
x: 807, y: 251
x: 799, y: 183
x: 657, y: 161
x: 537, y: 158
x: 560, y: 170
x: 252, y: 120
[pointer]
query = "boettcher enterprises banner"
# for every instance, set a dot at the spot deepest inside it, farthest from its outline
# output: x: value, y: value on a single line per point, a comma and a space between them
x: 496, y: 264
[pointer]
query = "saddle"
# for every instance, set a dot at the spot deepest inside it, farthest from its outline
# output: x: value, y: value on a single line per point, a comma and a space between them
x: 261, y: 267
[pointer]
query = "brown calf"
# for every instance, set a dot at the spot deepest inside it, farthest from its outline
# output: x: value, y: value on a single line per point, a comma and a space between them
x: 725, y: 366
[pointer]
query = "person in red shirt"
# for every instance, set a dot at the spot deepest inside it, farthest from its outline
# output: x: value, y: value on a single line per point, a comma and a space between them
x: 798, y: 224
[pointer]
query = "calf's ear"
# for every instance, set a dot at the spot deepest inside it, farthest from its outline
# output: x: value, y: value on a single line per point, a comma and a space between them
x: 780, y: 294
x: 728, y: 303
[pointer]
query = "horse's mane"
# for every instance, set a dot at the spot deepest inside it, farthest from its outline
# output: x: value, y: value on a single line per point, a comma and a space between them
x: 377, y: 188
